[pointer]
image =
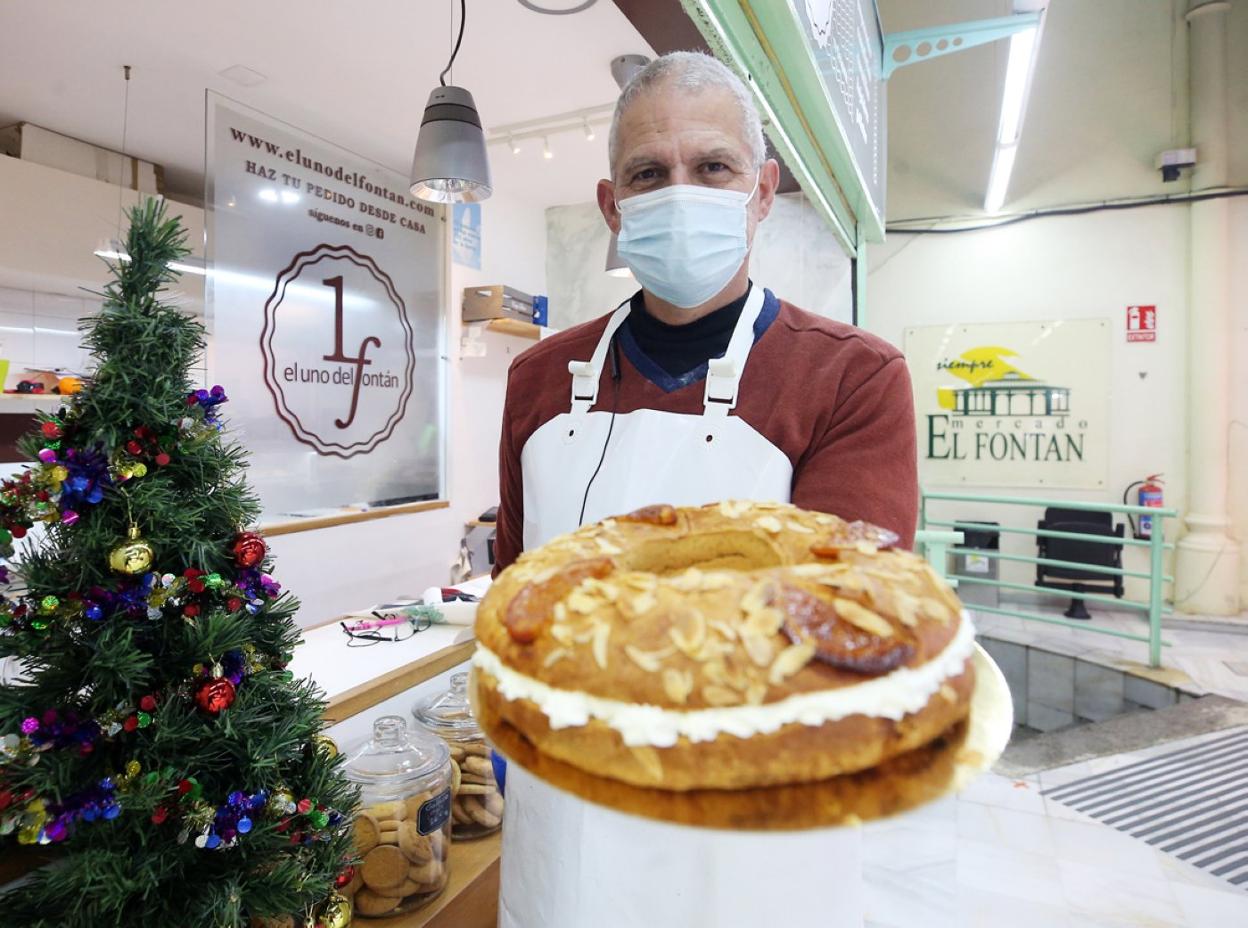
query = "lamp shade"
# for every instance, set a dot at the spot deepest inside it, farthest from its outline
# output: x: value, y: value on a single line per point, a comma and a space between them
x: 615, y: 264
x: 450, y: 164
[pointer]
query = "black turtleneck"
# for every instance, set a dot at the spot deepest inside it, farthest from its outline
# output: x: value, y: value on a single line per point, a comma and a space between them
x: 678, y: 349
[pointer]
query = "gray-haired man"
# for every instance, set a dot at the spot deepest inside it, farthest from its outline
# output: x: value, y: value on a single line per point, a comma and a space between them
x: 703, y: 386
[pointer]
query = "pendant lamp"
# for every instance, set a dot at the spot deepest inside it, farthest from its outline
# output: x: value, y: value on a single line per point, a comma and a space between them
x: 450, y: 164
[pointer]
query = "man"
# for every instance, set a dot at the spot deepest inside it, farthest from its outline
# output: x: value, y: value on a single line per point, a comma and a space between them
x: 704, y: 386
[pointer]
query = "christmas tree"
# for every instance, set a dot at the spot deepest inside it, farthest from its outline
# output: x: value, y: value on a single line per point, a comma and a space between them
x: 154, y: 736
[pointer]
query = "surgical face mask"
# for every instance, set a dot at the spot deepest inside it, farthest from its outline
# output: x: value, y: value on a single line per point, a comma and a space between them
x: 684, y: 243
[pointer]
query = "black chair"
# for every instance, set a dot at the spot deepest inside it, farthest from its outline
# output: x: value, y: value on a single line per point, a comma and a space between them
x: 1095, y: 554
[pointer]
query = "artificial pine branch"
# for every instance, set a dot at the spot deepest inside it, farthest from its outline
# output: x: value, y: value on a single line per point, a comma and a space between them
x: 130, y: 799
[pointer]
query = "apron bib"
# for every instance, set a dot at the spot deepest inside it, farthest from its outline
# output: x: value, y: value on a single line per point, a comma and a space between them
x: 652, y: 457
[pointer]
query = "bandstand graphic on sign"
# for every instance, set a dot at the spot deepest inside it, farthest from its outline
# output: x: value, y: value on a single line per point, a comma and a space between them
x: 1012, y: 395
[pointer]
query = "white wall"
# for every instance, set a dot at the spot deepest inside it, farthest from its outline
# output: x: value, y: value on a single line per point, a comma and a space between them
x: 795, y: 256
x: 347, y: 567
x: 1084, y: 267
x: 53, y: 221
x: 1238, y: 429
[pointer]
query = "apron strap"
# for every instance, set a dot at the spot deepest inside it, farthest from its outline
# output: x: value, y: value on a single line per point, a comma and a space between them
x: 587, y: 374
x: 723, y: 375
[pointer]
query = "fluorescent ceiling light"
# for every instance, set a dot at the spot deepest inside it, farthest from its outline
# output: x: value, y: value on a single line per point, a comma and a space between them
x: 999, y: 181
x: 289, y: 196
x: 1017, y: 74
x: 268, y: 195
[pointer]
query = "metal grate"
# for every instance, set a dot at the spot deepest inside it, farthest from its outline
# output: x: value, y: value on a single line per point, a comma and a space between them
x: 1192, y: 803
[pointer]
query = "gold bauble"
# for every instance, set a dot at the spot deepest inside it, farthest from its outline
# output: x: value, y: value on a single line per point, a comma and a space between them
x: 325, y: 746
x: 133, y: 556
x: 337, y: 912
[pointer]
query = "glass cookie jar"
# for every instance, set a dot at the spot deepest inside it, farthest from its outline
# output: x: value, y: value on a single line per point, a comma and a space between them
x: 477, y: 806
x: 403, y: 828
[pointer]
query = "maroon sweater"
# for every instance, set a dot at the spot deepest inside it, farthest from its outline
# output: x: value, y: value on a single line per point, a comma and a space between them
x: 832, y: 397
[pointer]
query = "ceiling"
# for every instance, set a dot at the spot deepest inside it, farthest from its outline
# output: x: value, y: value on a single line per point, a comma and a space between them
x: 1109, y: 93
x: 357, y: 74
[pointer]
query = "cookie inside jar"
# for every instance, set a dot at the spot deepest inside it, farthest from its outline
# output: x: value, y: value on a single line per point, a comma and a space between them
x: 477, y: 803
x: 403, y: 828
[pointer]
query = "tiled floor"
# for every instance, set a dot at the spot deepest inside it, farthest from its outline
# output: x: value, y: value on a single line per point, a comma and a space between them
x: 1001, y: 854
x: 1213, y: 660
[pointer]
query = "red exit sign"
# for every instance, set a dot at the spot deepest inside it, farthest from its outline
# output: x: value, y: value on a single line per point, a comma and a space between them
x: 1141, y: 323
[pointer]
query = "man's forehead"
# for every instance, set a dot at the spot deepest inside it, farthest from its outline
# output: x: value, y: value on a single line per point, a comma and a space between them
x: 667, y: 119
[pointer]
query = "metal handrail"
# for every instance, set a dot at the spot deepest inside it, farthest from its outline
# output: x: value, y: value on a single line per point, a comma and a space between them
x: 1047, y: 533
x: 1053, y: 562
x: 1155, y: 575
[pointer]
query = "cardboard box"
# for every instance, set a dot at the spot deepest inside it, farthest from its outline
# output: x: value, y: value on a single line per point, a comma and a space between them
x: 43, y: 146
x: 496, y: 302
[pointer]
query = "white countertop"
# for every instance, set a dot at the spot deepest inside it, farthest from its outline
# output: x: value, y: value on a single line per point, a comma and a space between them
x: 336, y: 668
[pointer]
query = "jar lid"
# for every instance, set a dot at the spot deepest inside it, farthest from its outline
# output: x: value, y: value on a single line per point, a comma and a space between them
x: 396, y: 753
x: 449, y: 713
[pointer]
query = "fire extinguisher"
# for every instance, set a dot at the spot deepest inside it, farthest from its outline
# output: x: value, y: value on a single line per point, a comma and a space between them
x: 1151, y: 495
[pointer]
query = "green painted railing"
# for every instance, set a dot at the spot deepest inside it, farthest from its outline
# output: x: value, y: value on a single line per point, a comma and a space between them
x: 938, y: 538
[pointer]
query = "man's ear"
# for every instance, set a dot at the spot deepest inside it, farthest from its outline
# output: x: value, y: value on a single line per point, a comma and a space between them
x: 606, y: 203
x: 768, y: 181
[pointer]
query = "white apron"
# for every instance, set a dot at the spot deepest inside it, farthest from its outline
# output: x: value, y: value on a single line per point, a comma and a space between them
x: 567, y: 863
x: 653, y: 457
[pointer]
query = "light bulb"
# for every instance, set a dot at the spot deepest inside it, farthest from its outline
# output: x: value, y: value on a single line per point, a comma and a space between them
x: 589, y: 131
x: 515, y: 148
x: 546, y: 152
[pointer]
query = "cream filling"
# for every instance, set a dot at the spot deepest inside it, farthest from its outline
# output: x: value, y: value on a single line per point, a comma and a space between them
x: 891, y: 696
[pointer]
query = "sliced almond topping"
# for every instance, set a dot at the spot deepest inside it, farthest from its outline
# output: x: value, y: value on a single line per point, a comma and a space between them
x: 580, y: 601
x: 607, y: 548
x: 907, y: 608
x: 866, y: 547
x: 755, y: 693
x: 690, y: 580
x: 677, y: 684
x: 824, y: 519
x: 948, y: 692
x: 759, y: 648
x: 715, y: 671
x: 934, y: 609
x: 586, y: 634
x: 719, y: 695
x: 689, y: 631
x: 560, y: 612
x: 844, y: 580
x: 810, y: 571
x: 642, y: 603
x: 642, y: 583
x: 554, y: 657
x: 648, y: 758
x: 799, y: 528
x: 790, y: 661
x: 734, y: 508
x: 758, y: 597
x: 602, y: 633
x: 724, y: 629
x: 561, y: 633
x: 649, y: 661
x: 716, y: 580
x: 766, y: 621
x: 769, y: 524
x: 858, y: 614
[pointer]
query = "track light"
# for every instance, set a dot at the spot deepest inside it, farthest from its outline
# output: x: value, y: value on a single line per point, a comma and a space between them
x: 515, y: 148
x: 546, y: 152
x: 589, y: 131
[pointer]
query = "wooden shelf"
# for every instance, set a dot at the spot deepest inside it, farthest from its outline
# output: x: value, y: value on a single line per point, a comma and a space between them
x: 379, y: 689
x: 470, y: 899
x: 515, y: 327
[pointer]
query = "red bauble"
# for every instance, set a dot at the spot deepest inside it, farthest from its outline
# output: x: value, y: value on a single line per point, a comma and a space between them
x: 148, y: 703
x: 162, y: 459
x: 131, y: 723
x: 249, y: 549
x: 344, y: 878
x: 214, y: 695
x: 159, y: 815
x: 50, y: 430
x: 190, y: 610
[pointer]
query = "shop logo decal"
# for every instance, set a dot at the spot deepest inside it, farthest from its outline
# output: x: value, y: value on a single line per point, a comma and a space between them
x: 1001, y: 413
x: 327, y: 302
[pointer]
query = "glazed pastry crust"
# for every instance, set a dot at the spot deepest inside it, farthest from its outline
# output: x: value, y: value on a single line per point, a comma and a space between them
x: 721, y: 606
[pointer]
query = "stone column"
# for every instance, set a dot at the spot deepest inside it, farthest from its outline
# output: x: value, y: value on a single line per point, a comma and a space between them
x: 1207, y: 565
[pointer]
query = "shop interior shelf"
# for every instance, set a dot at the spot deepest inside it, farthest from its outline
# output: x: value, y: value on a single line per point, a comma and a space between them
x: 515, y: 327
x: 471, y: 896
